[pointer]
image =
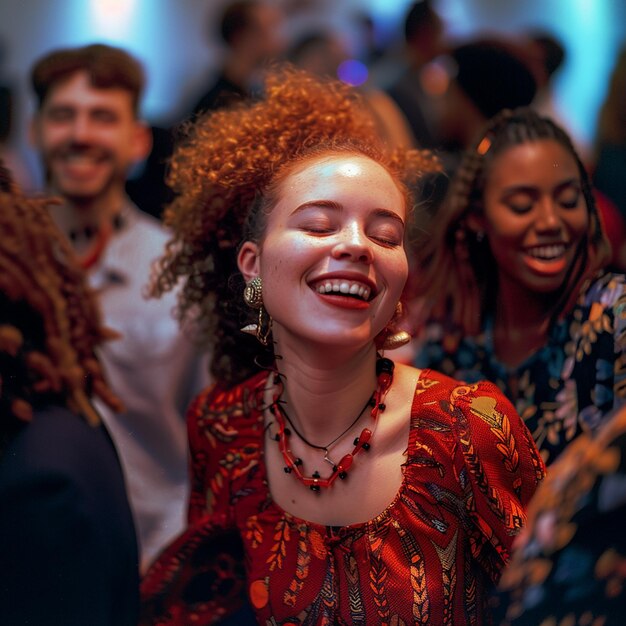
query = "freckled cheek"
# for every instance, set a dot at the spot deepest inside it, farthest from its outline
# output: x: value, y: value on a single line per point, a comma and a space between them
x: 399, y: 275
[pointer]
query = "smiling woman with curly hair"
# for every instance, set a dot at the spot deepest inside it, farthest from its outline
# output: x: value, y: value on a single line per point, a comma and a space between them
x: 334, y: 474
x: 227, y: 174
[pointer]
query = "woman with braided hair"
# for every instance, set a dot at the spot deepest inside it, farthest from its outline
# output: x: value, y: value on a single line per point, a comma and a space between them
x: 67, y: 540
x: 512, y: 275
x: 353, y: 491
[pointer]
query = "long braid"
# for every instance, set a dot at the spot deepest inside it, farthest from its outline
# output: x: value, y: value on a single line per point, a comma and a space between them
x: 458, y: 272
x: 49, y: 322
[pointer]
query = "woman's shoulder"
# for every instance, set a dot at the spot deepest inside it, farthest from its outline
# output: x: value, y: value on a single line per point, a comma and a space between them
x: 605, y: 289
x: 222, y: 414
x: 41, y: 446
x: 488, y: 442
x: 598, y: 320
x: 478, y: 414
x: 445, y: 386
x: 463, y: 409
x: 240, y: 400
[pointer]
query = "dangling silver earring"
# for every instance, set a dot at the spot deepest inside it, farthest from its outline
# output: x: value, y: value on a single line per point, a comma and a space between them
x: 253, y: 297
x: 480, y: 235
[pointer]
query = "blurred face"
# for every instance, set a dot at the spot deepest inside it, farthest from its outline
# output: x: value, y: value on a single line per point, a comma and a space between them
x: 332, y: 261
x: 535, y: 215
x: 265, y: 38
x: 458, y: 120
x: 88, y: 138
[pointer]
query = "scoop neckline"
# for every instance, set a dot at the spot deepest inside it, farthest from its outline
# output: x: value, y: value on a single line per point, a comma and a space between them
x: 377, y: 521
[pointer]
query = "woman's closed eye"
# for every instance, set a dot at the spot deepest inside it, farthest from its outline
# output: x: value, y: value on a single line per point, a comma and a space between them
x: 569, y: 198
x: 318, y: 227
x: 520, y: 202
x: 387, y: 236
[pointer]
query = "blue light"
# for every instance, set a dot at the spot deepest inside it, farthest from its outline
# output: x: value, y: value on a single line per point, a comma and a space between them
x: 352, y: 72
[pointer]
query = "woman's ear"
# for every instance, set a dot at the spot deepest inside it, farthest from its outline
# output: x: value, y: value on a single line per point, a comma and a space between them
x: 248, y: 260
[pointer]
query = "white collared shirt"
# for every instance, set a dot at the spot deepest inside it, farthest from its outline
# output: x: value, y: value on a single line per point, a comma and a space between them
x: 156, y: 370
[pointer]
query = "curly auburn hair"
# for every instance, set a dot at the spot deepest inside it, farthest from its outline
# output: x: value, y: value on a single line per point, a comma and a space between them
x: 49, y: 322
x: 458, y: 274
x: 228, y: 170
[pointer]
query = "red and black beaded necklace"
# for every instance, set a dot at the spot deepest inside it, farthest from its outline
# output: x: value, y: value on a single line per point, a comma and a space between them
x: 293, y: 465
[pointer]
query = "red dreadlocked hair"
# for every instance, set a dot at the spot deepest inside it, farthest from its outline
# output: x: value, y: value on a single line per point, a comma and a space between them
x: 50, y: 325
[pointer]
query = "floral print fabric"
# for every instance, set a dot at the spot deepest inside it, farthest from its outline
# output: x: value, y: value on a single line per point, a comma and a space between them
x: 428, y: 558
x: 568, y: 385
x: 570, y: 567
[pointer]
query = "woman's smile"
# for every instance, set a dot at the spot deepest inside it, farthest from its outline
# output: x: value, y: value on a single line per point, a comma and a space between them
x: 333, y: 263
x: 534, y: 215
x: 549, y: 259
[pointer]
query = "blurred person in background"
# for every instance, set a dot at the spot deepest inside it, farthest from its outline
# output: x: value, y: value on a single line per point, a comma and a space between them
x: 11, y: 156
x: 484, y: 77
x: 370, y: 50
x: 547, y: 56
x: 67, y: 540
x: 423, y: 33
x: 609, y: 174
x: 251, y: 31
x: 569, y: 563
x: 514, y: 282
x: 325, y: 53
x: 475, y: 81
x: 87, y: 130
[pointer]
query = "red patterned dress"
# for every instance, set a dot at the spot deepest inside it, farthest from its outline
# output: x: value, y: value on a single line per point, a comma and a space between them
x: 428, y: 558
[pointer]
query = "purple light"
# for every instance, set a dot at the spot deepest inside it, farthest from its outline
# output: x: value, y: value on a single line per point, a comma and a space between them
x: 352, y: 72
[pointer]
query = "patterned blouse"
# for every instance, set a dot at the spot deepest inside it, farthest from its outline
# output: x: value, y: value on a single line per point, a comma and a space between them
x: 429, y: 557
x: 570, y: 567
x: 569, y: 384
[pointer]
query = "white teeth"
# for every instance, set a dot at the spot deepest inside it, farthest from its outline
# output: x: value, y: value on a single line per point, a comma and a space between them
x: 344, y: 287
x: 547, y: 253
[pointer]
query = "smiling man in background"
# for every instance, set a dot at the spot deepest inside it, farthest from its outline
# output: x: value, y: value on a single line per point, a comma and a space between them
x: 89, y: 135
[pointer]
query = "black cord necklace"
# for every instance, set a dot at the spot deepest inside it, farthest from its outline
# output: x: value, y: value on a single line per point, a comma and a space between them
x: 370, y: 402
x: 294, y: 465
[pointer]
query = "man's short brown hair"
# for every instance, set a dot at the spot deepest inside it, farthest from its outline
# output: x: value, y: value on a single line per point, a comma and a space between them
x: 107, y: 67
